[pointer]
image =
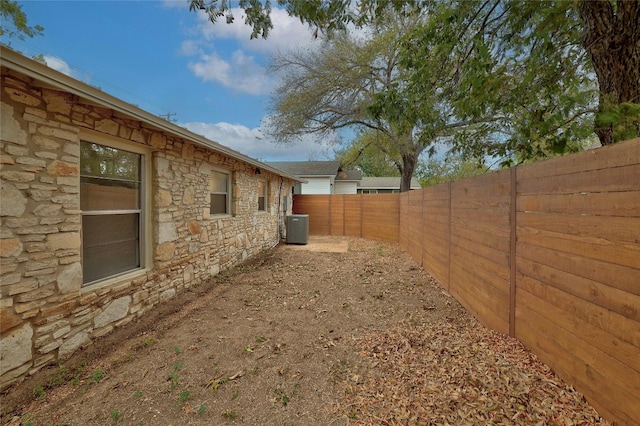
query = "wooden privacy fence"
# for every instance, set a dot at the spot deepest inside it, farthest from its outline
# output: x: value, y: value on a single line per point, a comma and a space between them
x: 547, y: 252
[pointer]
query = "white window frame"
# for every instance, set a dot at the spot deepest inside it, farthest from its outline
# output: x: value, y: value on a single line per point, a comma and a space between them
x: 265, y: 195
x: 144, y: 227
x: 227, y: 193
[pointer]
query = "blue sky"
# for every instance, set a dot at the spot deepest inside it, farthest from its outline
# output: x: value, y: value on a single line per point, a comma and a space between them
x: 165, y: 59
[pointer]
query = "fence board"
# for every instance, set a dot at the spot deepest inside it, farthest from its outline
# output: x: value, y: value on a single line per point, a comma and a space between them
x: 623, y: 178
x: 609, y: 204
x: 620, y: 253
x: 621, y: 277
x: 612, y: 228
x: 620, y: 154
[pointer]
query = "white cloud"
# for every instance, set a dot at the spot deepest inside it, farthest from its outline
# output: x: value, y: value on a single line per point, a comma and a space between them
x: 240, y: 73
x: 63, y: 67
x: 287, y: 32
x: 237, y: 69
x: 255, y: 144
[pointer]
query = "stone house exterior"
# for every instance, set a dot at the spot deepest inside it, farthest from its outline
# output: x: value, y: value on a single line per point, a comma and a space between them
x: 107, y: 210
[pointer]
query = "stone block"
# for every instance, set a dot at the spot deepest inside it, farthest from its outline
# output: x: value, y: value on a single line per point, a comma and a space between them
x: 13, y: 202
x: 62, y: 168
x: 70, y: 345
x: 113, y: 312
x: 9, y: 319
x: 58, y: 133
x: 64, y: 240
x: 167, y: 232
x: 70, y: 278
x: 10, y: 247
x: 47, y: 210
x: 10, y: 129
x: 16, y: 349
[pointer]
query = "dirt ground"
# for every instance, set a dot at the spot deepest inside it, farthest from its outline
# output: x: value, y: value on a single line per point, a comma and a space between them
x: 342, y: 331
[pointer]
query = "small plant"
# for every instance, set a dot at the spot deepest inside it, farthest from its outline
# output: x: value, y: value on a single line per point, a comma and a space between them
x: 235, y: 394
x: 97, y: 375
x: 176, y: 350
x: 115, y: 415
x: 137, y: 394
x: 260, y: 339
x: 173, y: 376
x: 59, y: 378
x: 202, y: 409
x: 39, y: 392
x: 282, y: 397
x: 26, y: 421
x: 184, y: 396
x: 229, y: 414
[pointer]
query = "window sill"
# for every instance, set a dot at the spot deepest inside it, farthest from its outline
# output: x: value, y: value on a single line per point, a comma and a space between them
x: 113, y: 281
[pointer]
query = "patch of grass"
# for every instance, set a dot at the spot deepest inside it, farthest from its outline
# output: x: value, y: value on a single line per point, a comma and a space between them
x: 202, y: 409
x: 184, y: 396
x: 235, y: 394
x: 60, y: 378
x: 282, y: 397
x: 176, y: 350
x: 39, y: 392
x: 230, y: 414
x: 137, y: 394
x: 174, y: 376
x: 260, y: 339
x: 97, y: 375
x: 116, y: 415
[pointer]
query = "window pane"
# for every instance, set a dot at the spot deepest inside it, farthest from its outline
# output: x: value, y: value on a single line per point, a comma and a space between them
x: 218, y: 204
x: 262, y: 191
x: 110, y: 245
x: 104, y: 161
x: 108, y: 194
x: 219, y: 182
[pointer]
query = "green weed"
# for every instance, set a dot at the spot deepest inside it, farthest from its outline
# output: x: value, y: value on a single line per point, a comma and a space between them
x: 116, y: 415
x: 97, y: 375
x: 184, y: 396
x: 202, y: 409
x: 39, y: 392
x: 230, y: 414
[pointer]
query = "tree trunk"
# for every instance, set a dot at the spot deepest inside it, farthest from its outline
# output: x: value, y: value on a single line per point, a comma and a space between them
x: 408, y: 167
x: 612, y: 39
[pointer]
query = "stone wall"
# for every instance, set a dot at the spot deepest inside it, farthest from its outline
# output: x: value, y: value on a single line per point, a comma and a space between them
x: 45, y: 312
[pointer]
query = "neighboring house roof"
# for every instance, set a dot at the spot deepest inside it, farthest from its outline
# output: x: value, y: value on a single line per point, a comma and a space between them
x: 346, y: 175
x: 308, y: 168
x: 317, y: 168
x: 385, y: 183
x: 55, y: 80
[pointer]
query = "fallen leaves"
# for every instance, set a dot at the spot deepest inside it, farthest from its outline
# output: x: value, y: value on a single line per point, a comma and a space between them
x: 458, y: 374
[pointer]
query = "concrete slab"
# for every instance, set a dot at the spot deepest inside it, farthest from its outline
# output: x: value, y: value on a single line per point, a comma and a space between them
x: 323, y: 244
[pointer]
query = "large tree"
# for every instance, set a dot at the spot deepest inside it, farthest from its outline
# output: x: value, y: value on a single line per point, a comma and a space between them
x: 609, y: 30
x: 338, y: 86
x: 357, y: 81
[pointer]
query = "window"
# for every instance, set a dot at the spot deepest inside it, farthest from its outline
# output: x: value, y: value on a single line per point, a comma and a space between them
x: 111, y: 199
x: 219, y: 189
x: 262, y: 195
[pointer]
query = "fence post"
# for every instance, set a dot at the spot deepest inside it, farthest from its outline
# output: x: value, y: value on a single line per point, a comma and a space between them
x: 512, y: 253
